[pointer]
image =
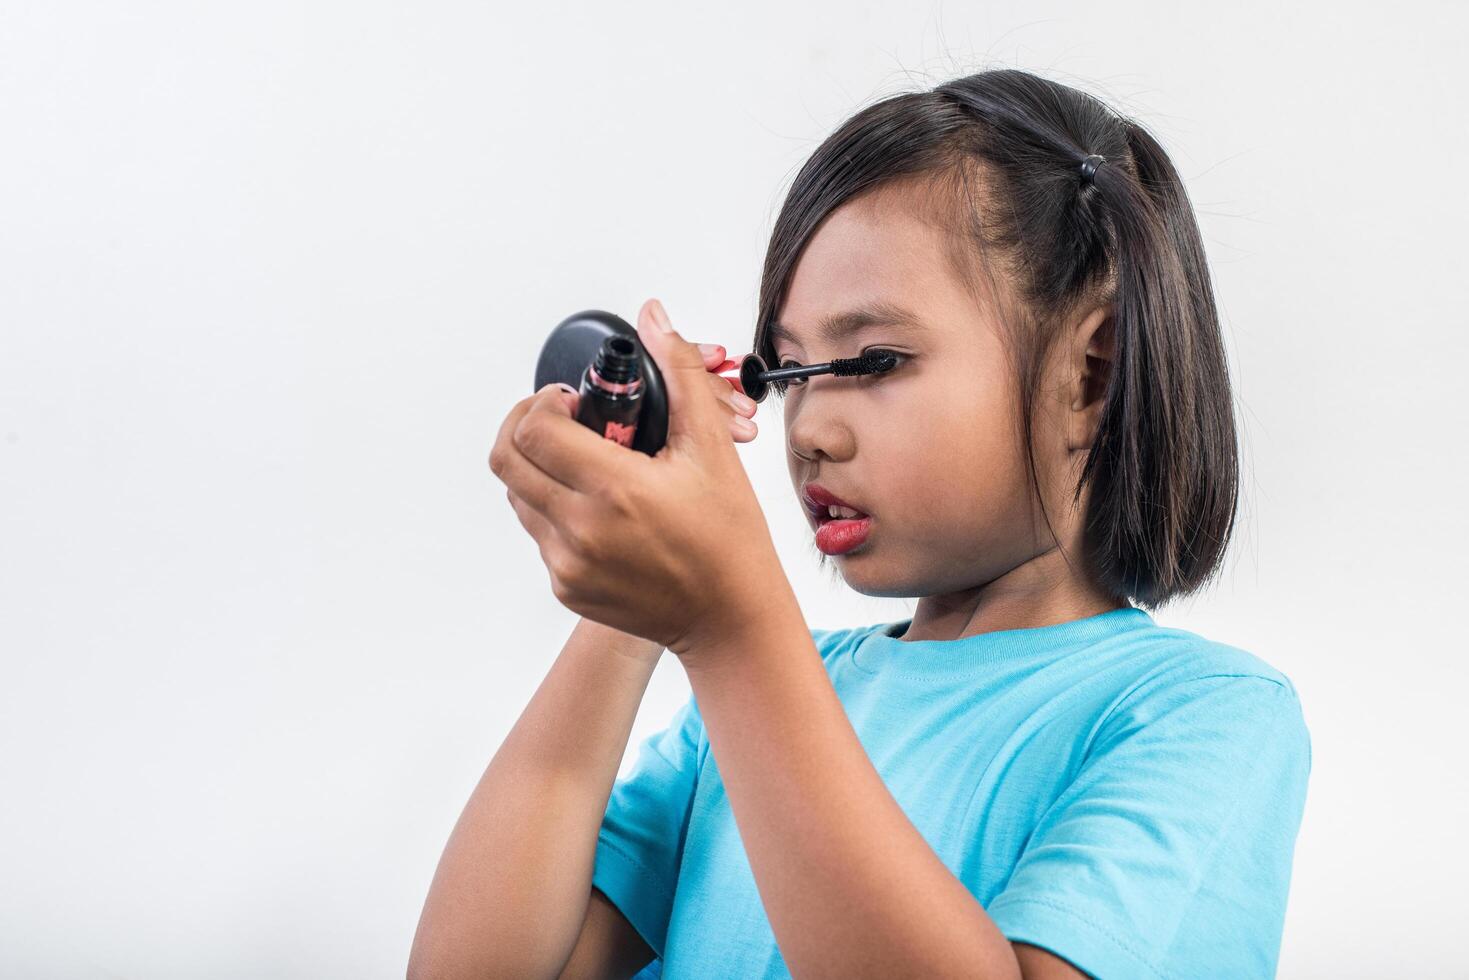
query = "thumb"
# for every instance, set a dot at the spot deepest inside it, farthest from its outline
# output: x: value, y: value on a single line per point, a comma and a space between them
x: 693, y: 412
x: 559, y: 397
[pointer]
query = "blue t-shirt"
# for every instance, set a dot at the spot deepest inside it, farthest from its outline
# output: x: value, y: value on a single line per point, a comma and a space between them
x: 1123, y: 794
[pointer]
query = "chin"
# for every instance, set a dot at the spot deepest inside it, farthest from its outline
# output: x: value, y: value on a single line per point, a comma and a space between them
x: 862, y: 575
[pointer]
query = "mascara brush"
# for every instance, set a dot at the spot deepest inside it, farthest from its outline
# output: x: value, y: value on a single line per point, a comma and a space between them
x: 751, y: 375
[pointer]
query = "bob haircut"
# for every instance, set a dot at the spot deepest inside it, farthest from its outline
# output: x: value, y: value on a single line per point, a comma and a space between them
x: 1004, y: 149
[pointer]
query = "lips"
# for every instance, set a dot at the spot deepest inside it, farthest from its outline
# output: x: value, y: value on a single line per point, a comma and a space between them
x: 839, y: 536
x: 817, y: 499
x: 834, y: 535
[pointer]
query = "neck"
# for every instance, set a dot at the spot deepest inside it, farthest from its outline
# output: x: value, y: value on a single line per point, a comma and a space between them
x: 1039, y: 592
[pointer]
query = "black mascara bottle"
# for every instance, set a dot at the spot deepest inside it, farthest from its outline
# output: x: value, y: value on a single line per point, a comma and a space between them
x: 612, y: 391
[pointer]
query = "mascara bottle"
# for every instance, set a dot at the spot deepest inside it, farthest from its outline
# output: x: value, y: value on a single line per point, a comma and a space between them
x: 611, y: 395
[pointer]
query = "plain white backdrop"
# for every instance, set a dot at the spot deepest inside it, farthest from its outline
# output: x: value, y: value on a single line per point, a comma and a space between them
x: 272, y: 274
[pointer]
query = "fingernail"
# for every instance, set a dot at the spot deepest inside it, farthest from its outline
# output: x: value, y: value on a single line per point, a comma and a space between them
x: 660, y: 317
x: 744, y: 424
x: 566, y: 387
x: 742, y: 402
x: 707, y: 349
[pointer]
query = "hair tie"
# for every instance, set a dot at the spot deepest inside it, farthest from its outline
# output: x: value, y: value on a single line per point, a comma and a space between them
x: 1089, y: 167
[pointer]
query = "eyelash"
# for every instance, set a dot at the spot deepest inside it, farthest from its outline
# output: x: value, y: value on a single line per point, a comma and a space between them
x: 779, y: 387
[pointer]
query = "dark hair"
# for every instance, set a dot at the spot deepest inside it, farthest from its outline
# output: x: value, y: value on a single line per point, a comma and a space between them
x: 1164, y: 467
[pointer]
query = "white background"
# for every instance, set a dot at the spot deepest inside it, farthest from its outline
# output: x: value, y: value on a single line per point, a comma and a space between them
x: 271, y: 274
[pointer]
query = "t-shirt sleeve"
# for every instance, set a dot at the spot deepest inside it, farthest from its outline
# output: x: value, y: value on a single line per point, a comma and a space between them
x: 1170, y: 853
x: 640, y: 844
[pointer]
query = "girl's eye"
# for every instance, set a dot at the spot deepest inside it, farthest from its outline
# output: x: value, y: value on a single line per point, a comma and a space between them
x: 900, y: 358
x: 778, y: 388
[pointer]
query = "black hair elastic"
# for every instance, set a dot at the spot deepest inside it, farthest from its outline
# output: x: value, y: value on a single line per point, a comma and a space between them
x: 1089, y: 167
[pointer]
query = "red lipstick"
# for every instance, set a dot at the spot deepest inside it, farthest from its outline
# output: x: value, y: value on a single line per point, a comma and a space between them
x: 834, y: 535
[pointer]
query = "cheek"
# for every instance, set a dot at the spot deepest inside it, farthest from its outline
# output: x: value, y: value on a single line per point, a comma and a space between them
x: 960, y: 467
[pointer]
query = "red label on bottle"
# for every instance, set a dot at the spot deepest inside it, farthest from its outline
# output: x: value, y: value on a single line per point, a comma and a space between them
x: 620, y: 434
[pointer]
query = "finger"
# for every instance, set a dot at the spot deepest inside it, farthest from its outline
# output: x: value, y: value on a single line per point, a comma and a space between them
x: 532, y: 485
x: 743, y: 429
x: 502, y: 444
x: 736, y: 400
x: 713, y: 354
x: 538, y: 525
x: 519, y: 474
x: 545, y: 532
x: 737, y: 407
x: 565, y: 449
x: 543, y: 397
x: 693, y: 411
x: 555, y: 397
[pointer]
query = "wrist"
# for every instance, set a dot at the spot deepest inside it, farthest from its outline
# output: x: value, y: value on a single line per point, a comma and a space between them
x: 742, y: 623
x: 601, y: 640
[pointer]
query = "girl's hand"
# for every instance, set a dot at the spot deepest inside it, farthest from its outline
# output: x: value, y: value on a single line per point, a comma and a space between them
x: 741, y: 406
x: 672, y: 547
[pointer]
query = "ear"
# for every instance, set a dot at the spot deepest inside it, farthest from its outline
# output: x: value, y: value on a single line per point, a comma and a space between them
x: 1093, y: 346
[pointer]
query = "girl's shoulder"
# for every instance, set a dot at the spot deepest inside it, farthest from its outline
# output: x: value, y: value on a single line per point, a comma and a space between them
x: 1177, y: 683
x: 1177, y: 655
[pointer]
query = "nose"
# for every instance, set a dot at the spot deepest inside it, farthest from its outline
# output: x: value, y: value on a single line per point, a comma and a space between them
x: 816, y: 425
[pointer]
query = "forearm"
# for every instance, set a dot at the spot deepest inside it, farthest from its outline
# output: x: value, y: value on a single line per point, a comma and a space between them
x: 511, y: 888
x: 850, y: 886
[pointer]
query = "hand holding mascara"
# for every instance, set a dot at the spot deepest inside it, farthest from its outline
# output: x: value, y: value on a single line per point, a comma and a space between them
x: 668, y: 543
x: 750, y: 375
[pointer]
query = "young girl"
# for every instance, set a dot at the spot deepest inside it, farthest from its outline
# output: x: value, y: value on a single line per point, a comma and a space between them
x: 1027, y: 778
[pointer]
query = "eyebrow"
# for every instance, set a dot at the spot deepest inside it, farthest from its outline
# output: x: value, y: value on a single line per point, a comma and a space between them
x: 835, y: 326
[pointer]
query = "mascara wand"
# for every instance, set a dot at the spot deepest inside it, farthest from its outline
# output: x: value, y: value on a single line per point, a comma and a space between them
x: 750, y: 375
x: 573, y: 347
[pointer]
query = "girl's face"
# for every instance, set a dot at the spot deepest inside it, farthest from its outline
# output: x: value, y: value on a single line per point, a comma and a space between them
x: 930, y: 450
